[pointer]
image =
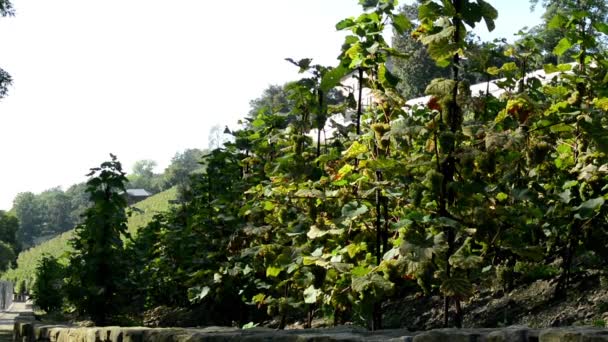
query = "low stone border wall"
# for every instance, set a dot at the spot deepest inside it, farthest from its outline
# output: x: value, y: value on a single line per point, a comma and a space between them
x: 27, y: 330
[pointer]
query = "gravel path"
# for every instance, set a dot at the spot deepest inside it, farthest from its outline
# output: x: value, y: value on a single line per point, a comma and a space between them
x: 7, y: 319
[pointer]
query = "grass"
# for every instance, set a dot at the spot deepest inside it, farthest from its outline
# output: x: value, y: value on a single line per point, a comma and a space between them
x: 59, y: 246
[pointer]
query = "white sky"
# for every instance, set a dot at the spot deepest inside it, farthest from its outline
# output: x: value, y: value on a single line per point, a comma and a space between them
x: 144, y: 79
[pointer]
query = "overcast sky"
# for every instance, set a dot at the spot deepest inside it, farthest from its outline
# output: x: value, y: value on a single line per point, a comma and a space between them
x: 144, y: 79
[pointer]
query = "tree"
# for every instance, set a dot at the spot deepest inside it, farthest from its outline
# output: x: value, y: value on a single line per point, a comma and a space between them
x: 144, y: 168
x: 7, y: 256
x: 143, y: 176
x: 55, y: 210
x: 418, y: 68
x: 79, y: 201
x: 9, y: 225
x: 27, y: 211
x: 96, y: 265
x: 6, y: 10
x: 48, y: 288
x: 182, y: 165
x: 273, y: 100
x: 553, y: 30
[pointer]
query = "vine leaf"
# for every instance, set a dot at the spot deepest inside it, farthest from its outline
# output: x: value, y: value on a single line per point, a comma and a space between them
x: 457, y: 287
x: 563, y: 46
x: 352, y: 210
x: 273, y: 271
x: 385, y: 77
x: 332, y: 78
x: 355, y: 150
x: 489, y: 14
x: 311, y: 294
x: 401, y: 23
x: 588, y: 208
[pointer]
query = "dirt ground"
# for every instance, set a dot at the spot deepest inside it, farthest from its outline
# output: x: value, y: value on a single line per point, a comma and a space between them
x: 534, y: 305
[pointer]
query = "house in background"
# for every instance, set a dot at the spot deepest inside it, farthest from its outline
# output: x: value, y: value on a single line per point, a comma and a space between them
x: 136, y: 195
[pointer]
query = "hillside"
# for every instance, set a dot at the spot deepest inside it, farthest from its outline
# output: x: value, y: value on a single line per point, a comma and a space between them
x: 58, y: 245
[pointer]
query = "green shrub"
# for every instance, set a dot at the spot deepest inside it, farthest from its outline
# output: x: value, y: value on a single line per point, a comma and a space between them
x: 48, y: 289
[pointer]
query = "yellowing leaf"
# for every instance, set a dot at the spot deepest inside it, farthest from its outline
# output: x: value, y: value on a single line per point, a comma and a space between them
x: 355, y: 150
x: 601, y: 103
x: 272, y: 271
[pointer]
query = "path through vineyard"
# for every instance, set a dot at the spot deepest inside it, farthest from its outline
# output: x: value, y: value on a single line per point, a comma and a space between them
x: 7, y: 320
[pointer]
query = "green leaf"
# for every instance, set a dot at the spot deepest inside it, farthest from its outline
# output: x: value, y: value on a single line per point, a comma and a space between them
x: 401, y: 23
x: 332, y: 78
x: 311, y: 294
x: 493, y: 70
x: 257, y: 123
x: 565, y: 196
x: 368, y: 4
x: 360, y: 271
x: 440, y: 87
x: 441, y: 37
x: 259, y: 298
x: 360, y: 284
x: 563, y: 46
x: 588, y: 208
x: 598, y: 134
x: 601, y: 27
x: 551, y: 68
x: 557, y: 22
x: 353, y: 209
x: 489, y: 14
x: 429, y: 9
x: 303, y: 64
x: 561, y: 127
x: 501, y: 196
x: 375, y: 283
x: 501, y: 116
x: 307, y: 261
x: 250, y: 325
x: 344, y: 171
x: 387, y: 79
x: 345, y: 24
x: 268, y: 206
x: 570, y: 184
x: 508, y: 67
x: 354, y: 248
x: 457, y: 287
x: 601, y: 103
x: 273, y: 271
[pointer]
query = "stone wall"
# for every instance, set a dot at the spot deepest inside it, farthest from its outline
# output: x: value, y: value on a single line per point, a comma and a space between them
x: 6, y: 294
x: 27, y: 330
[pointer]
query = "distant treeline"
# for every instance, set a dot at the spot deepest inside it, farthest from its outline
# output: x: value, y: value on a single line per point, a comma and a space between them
x: 53, y: 211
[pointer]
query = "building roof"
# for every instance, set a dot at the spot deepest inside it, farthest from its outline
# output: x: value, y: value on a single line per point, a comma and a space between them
x: 350, y: 84
x: 138, y: 193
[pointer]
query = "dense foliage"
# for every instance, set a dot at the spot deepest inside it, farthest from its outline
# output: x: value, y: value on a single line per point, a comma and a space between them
x: 464, y: 193
x: 9, y: 246
x: 48, y: 289
x: 467, y: 192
